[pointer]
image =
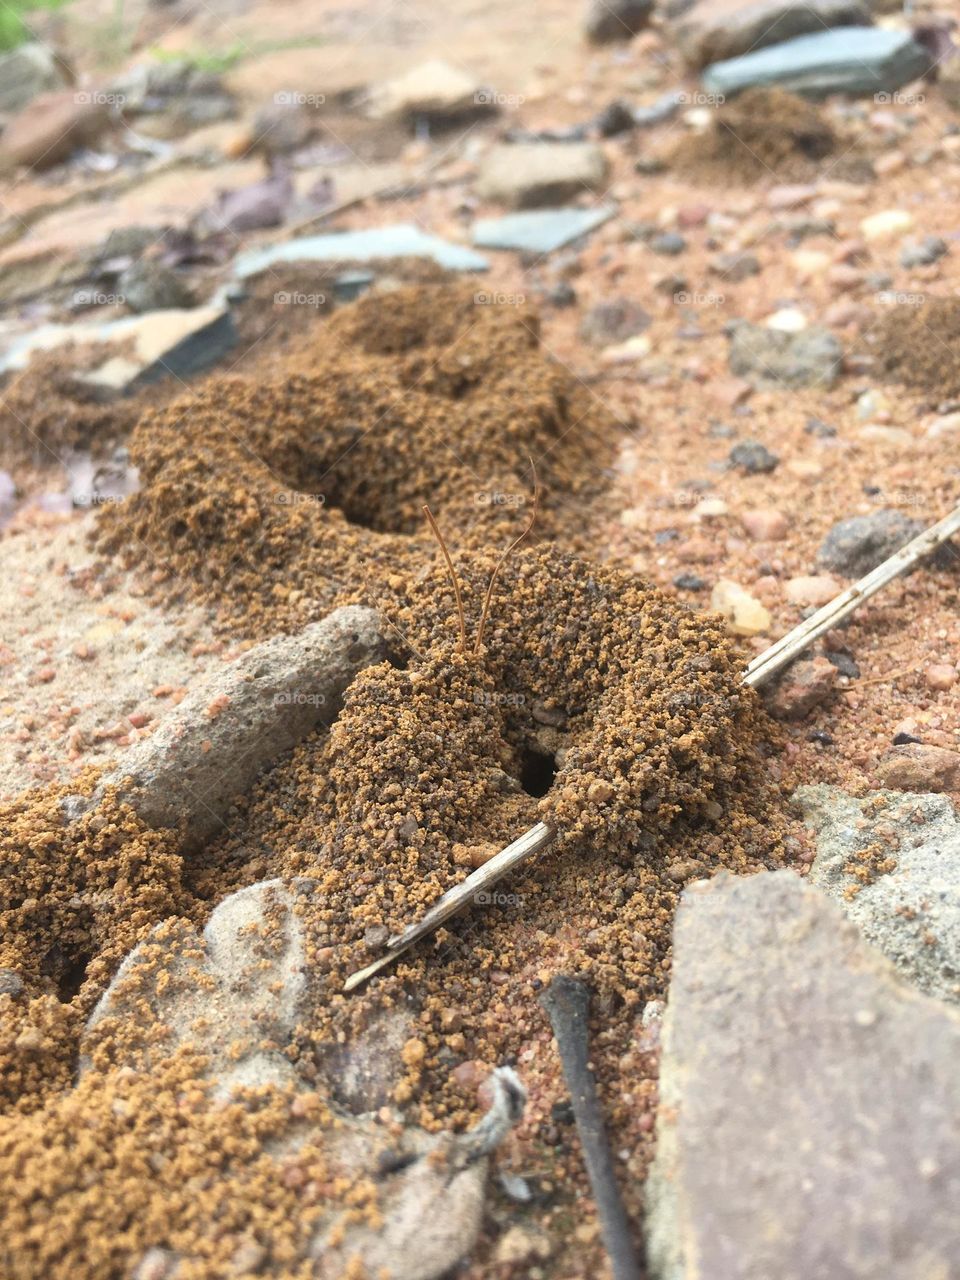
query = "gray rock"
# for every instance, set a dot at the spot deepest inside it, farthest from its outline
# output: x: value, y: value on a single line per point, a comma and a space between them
x: 668, y: 243
x: 754, y: 458
x: 610, y: 21
x: 911, y: 910
x: 808, y: 1099
x: 249, y: 988
x: 737, y: 266
x: 857, y: 545
x: 11, y: 984
x: 770, y: 357
x: 930, y: 249
x: 861, y: 61
x: 402, y: 240
x: 713, y: 30
x: 176, y: 343
x: 613, y: 321
x: 150, y: 286
x: 529, y: 175
x: 208, y: 751
x: 26, y: 71
x: 539, y: 231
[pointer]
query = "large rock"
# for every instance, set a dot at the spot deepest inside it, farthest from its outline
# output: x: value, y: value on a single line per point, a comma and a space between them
x: 859, y: 544
x: 528, y: 174
x: 892, y: 863
x: 712, y: 30
x: 809, y: 1123
x: 772, y: 358
x: 916, y: 766
x: 51, y: 127
x: 861, y: 61
x: 26, y: 72
x: 210, y: 749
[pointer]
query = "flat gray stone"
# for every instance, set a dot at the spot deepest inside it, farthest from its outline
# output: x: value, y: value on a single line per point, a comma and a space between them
x: 530, y: 175
x: 714, y: 30
x: 809, y: 1123
x: 171, y: 343
x: 540, y: 231
x: 860, y: 61
x: 911, y: 911
x: 25, y: 72
x: 773, y: 358
x: 402, y: 240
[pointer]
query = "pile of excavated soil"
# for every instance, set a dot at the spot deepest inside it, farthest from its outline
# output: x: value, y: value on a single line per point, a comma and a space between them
x: 761, y: 133
x: 920, y: 346
x: 596, y: 703
x: 278, y: 496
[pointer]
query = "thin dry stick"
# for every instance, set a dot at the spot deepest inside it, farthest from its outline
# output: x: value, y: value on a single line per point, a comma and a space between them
x: 503, y: 559
x: 453, y: 576
x: 763, y: 667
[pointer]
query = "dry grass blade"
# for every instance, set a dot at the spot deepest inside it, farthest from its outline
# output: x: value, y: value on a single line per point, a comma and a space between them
x: 506, y: 555
x: 453, y: 576
x: 760, y: 670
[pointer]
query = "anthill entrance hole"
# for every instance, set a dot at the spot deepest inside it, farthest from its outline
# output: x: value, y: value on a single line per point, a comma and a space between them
x: 537, y: 772
x: 71, y: 978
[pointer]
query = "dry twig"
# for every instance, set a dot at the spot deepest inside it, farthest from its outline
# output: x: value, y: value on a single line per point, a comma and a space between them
x: 453, y: 576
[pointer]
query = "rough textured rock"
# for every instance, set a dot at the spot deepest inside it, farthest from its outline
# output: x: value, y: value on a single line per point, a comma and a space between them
x: 857, y: 545
x: 239, y: 1005
x: 26, y: 72
x: 211, y: 747
x: 918, y: 767
x: 49, y: 128
x: 804, y: 686
x: 772, y: 358
x: 541, y: 173
x: 150, y: 286
x: 712, y: 30
x: 809, y: 1099
x: 610, y: 21
x: 857, y: 60
x: 910, y: 910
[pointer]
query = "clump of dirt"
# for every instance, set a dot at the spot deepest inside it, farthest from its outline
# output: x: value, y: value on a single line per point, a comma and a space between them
x: 920, y: 346
x: 598, y: 705
x: 279, y: 496
x: 762, y: 132
x: 73, y: 901
x: 46, y: 412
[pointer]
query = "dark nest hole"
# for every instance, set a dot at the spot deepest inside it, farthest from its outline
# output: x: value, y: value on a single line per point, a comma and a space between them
x: 537, y: 772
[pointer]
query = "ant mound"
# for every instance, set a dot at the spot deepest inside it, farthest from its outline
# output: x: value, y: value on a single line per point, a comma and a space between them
x: 278, y: 497
x: 762, y: 131
x: 596, y: 704
x: 920, y: 346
